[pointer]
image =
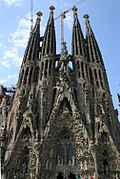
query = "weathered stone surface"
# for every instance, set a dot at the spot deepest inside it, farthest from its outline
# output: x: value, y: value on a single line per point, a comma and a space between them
x: 61, y: 120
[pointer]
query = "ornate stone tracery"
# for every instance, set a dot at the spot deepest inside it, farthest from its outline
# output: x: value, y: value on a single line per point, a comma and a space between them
x: 61, y: 123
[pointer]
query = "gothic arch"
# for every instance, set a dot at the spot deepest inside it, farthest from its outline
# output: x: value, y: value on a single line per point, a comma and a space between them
x: 26, y: 128
x: 59, y: 176
x: 68, y: 98
x: 71, y: 176
x: 26, y: 133
x: 65, y: 105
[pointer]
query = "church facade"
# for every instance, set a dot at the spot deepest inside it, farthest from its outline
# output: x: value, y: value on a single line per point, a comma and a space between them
x: 60, y: 123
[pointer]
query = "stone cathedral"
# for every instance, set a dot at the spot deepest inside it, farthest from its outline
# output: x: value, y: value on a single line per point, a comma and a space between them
x: 60, y: 122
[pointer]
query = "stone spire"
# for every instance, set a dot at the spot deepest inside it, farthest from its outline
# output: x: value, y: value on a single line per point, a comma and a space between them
x: 31, y: 55
x: 93, y: 48
x: 61, y: 125
x: 95, y: 57
x: 32, y: 50
x: 49, y: 41
x: 78, y: 44
x: 103, y: 105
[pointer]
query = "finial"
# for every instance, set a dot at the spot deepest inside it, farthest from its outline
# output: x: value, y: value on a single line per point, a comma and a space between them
x: 74, y: 9
x: 86, y: 16
x: 52, y: 8
x: 39, y: 13
x: 89, y: 31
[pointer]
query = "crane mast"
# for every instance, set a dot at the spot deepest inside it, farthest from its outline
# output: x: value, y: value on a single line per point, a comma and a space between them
x: 62, y: 28
x: 62, y: 16
x: 31, y: 6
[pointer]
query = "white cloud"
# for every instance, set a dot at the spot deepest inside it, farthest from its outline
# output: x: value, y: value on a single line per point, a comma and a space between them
x: 12, y: 76
x: 19, y: 37
x: 5, y: 63
x: 17, y: 42
x: 13, y: 2
x: 9, y: 77
x: 2, y: 47
x: 2, y: 81
x: 13, y: 56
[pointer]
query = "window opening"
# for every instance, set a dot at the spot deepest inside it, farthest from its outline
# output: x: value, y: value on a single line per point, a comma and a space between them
x: 60, y: 176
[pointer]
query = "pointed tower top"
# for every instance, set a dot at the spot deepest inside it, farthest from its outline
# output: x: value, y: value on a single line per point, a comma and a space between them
x: 94, y: 51
x: 39, y: 14
x: 52, y: 8
x: 88, y: 28
x: 49, y: 41
x: 37, y: 24
x: 31, y: 52
x: 74, y: 8
x: 75, y: 11
x: 78, y: 44
x: 86, y: 16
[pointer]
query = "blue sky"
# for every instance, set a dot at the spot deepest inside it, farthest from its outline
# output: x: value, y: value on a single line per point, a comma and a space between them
x: 15, y: 28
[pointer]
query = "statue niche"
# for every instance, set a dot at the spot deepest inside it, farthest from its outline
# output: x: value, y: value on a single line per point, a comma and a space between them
x: 65, y: 108
x: 64, y: 58
x: 59, y: 176
x: 26, y: 135
x: 24, y: 163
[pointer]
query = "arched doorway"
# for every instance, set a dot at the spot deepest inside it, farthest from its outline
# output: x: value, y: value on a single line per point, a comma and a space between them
x: 71, y: 176
x: 59, y: 176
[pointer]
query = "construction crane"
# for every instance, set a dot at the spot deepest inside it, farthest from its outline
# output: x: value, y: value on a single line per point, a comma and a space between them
x: 62, y: 15
x: 31, y: 7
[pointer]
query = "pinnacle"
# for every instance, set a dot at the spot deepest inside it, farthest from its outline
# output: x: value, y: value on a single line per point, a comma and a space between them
x: 39, y: 13
x: 74, y: 8
x: 86, y: 16
x: 52, y: 8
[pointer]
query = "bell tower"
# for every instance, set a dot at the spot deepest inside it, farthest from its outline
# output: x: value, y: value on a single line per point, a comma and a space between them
x: 61, y: 122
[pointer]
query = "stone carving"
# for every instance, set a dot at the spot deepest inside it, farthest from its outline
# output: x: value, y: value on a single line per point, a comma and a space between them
x: 76, y: 121
x: 32, y: 162
x: 64, y: 59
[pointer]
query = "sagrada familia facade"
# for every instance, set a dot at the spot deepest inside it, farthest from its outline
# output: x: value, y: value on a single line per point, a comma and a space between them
x: 60, y: 123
